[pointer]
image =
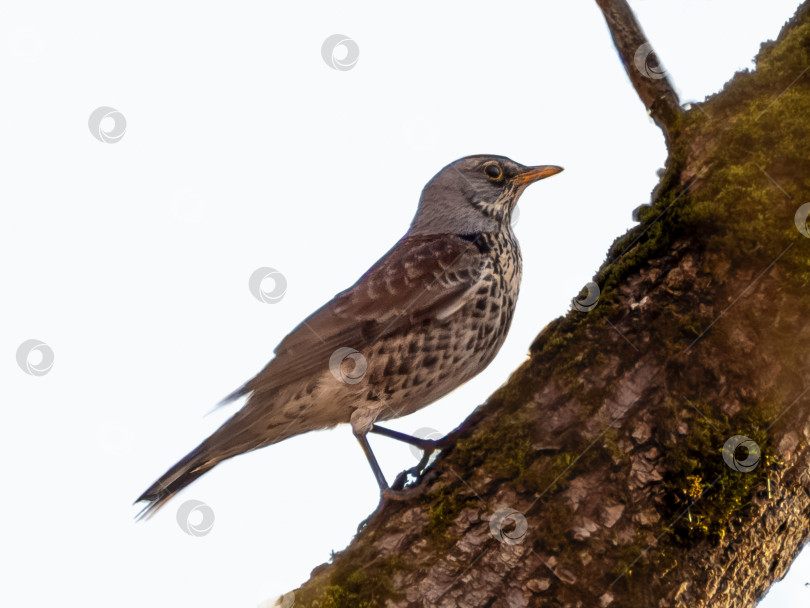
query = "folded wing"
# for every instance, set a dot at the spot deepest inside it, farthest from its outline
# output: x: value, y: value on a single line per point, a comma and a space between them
x: 422, y: 277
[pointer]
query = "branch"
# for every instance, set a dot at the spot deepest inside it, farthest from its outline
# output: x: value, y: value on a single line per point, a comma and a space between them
x: 641, y: 64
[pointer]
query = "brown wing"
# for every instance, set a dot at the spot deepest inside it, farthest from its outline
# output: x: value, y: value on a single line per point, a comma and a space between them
x: 421, y: 277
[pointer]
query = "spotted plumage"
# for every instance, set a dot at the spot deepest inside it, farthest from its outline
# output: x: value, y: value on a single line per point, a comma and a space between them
x: 428, y: 316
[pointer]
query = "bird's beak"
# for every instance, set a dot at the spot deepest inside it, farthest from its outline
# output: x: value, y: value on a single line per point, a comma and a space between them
x: 532, y: 174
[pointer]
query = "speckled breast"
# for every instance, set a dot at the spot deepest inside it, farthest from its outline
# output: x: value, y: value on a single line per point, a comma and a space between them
x: 432, y: 360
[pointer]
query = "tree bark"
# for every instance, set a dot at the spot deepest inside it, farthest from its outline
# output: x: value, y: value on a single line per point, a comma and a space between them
x: 604, y: 473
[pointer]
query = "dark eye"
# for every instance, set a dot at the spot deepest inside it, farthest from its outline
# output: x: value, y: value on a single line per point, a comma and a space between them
x: 493, y: 171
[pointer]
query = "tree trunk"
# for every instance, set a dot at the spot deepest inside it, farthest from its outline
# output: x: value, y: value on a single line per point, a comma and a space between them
x: 597, y: 476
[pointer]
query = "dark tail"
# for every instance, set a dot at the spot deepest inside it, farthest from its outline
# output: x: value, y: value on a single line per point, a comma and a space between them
x: 190, y: 467
x: 246, y: 430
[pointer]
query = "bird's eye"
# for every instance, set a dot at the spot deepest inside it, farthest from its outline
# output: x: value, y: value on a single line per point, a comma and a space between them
x: 493, y: 171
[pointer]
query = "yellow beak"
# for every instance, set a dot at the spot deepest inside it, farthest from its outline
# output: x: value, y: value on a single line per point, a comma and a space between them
x: 536, y: 173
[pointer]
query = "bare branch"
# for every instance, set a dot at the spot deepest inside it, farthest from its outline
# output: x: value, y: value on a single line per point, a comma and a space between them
x: 641, y: 64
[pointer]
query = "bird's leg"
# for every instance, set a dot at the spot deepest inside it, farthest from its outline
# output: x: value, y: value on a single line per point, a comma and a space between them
x: 415, y: 472
x: 386, y: 492
x: 372, y: 460
x: 361, y: 426
x: 378, y: 474
x: 428, y: 447
x: 423, y: 444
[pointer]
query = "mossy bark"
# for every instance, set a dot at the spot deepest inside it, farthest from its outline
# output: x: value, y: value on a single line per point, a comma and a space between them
x: 608, y: 440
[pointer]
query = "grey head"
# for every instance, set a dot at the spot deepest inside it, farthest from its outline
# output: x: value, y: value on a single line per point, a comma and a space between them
x: 474, y: 194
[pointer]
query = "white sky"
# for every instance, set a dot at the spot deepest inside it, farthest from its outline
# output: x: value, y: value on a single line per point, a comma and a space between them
x: 243, y: 149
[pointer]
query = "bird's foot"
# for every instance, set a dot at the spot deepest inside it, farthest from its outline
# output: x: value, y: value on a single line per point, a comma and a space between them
x: 397, y: 494
x: 414, y: 472
x: 417, y: 471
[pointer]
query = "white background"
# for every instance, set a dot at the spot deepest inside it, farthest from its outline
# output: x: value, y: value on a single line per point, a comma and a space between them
x: 244, y: 149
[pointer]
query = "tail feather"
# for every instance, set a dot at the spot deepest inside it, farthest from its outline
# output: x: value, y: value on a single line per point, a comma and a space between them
x: 189, y: 468
x: 246, y: 430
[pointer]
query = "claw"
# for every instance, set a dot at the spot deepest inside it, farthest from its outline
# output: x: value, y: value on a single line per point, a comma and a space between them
x: 413, y: 491
x: 398, y: 492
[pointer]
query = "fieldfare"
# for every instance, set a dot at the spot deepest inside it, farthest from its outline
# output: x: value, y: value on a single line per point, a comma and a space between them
x: 428, y: 316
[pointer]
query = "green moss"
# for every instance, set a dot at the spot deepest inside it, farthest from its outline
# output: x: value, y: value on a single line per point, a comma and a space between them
x: 443, y: 508
x: 554, y: 524
x: 760, y: 168
x: 632, y: 557
x: 550, y: 474
x: 610, y: 443
x: 511, y: 395
x: 503, y: 448
x: 364, y: 587
x: 697, y: 473
x: 758, y: 131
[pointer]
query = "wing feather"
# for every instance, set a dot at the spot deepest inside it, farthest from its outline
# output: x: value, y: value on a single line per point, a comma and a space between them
x: 421, y: 277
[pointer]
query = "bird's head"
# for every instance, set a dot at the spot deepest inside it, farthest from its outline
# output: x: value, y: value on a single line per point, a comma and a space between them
x: 474, y: 194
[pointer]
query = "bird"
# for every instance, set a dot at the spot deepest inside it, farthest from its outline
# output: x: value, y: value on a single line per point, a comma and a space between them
x: 424, y: 319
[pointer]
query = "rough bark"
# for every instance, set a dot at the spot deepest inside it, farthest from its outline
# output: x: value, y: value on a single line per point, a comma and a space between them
x: 608, y: 442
